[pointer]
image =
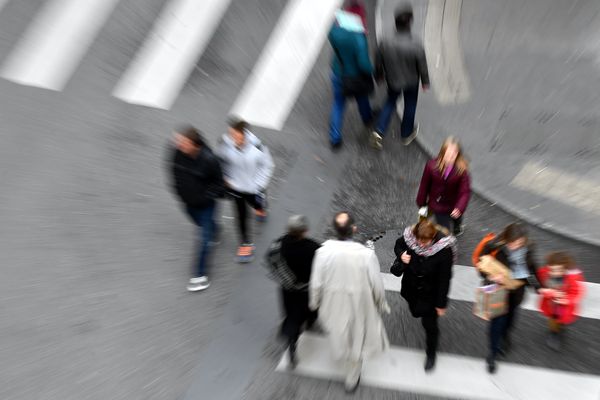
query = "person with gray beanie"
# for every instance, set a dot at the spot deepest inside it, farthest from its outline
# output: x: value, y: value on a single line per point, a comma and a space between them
x: 298, y: 252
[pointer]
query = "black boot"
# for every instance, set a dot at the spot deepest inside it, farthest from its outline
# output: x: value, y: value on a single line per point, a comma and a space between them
x: 491, y: 364
x: 293, y: 356
x: 429, y: 363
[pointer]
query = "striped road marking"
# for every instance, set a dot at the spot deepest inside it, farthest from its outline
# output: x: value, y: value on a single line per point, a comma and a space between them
x: 56, y: 41
x: 272, y: 89
x: 168, y: 56
x: 454, y: 376
x: 465, y: 279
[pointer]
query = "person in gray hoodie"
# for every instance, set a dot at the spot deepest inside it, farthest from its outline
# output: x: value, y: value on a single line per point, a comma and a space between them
x: 248, y: 168
x: 401, y: 60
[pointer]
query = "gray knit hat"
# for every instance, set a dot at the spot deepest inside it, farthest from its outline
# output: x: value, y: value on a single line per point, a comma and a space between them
x: 297, y: 224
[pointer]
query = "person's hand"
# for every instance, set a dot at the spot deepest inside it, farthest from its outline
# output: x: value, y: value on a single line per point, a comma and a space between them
x: 545, y: 291
x: 561, y: 301
x: 499, y: 279
x: 455, y: 213
x: 405, y: 257
x: 425, y: 87
x: 440, y: 311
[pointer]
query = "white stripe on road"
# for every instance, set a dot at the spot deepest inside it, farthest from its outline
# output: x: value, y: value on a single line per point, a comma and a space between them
x: 49, y: 52
x: 465, y: 279
x: 272, y: 88
x: 454, y: 376
x: 168, y: 56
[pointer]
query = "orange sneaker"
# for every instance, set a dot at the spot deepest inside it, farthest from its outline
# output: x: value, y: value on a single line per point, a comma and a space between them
x: 245, y: 253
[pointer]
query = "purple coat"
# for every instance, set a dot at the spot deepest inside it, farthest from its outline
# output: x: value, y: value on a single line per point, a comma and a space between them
x: 443, y: 195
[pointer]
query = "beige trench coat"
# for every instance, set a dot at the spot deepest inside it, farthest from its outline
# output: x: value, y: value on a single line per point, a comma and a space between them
x: 347, y: 289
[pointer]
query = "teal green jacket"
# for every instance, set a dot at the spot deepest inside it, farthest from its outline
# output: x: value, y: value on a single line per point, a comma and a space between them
x: 353, y: 48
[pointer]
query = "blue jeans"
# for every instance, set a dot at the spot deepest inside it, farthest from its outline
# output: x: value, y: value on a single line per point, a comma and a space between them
x: 408, y: 118
x: 497, y: 332
x: 339, y: 104
x: 204, y: 219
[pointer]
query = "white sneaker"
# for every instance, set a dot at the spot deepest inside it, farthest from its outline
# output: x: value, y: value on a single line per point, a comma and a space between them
x: 408, y: 140
x: 376, y: 140
x: 197, y: 284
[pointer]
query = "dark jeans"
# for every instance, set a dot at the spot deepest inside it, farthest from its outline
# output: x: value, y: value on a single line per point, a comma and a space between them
x: 337, y: 111
x: 241, y: 200
x: 295, y: 305
x: 207, y: 228
x: 445, y: 220
x: 432, y: 333
x: 389, y: 108
x: 500, y: 327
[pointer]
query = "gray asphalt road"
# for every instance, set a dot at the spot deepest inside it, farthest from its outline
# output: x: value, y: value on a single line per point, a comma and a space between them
x: 96, y: 252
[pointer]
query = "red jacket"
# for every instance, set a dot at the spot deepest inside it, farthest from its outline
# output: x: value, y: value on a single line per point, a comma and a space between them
x: 572, y: 287
x: 443, y: 195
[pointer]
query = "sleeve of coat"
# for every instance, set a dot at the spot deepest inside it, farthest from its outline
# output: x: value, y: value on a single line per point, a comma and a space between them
x: 464, y: 192
x: 444, y: 276
x: 532, y: 266
x: 575, y: 290
x: 400, y: 247
x: 377, y: 287
x: 315, y: 285
x: 424, y: 187
x: 422, y: 66
x: 265, y: 169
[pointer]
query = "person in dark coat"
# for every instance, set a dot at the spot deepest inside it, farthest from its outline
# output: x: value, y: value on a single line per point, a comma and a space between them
x: 513, y: 249
x: 298, y: 252
x: 400, y: 59
x: 425, y: 255
x: 197, y: 179
x: 446, y: 186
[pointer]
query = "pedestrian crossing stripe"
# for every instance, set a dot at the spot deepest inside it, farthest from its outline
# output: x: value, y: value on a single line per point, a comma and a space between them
x: 55, y: 42
x: 63, y: 30
x: 465, y: 279
x: 454, y: 376
x: 167, y: 58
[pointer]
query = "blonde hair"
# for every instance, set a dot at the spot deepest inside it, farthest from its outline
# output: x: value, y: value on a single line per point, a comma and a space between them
x: 461, y: 164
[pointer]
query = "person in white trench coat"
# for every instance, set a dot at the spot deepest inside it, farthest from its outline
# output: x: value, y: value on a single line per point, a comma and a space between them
x: 347, y: 289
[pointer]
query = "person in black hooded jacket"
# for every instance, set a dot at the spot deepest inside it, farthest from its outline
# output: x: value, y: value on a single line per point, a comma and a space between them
x: 197, y: 180
x: 425, y: 255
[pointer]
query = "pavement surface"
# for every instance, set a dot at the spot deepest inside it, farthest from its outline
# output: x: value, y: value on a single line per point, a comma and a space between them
x: 522, y: 99
x: 96, y: 251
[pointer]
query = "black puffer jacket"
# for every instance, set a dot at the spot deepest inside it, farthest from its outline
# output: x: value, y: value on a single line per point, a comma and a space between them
x: 426, y: 280
x: 197, y: 181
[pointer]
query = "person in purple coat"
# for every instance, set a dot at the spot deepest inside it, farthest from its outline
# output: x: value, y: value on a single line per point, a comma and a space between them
x: 446, y: 186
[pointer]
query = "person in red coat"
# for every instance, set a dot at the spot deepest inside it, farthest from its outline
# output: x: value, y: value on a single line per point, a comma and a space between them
x: 446, y: 186
x: 561, y: 294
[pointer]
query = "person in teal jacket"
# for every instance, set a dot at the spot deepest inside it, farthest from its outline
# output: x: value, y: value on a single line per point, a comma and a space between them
x: 351, y: 59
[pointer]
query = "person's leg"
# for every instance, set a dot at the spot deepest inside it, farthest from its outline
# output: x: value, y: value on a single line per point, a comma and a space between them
x: 242, y: 215
x: 458, y: 225
x: 388, y: 110
x: 364, y: 109
x: 515, y: 298
x: 353, y: 370
x: 497, y: 326
x: 445, y: 220
x: 430, y: 323
x: 337, y: 111
x: 410, y: 106
x: 207, y: 224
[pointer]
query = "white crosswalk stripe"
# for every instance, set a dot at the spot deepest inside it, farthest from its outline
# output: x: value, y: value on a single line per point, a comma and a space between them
x: 465, y: 279
x: 167, y: 58
x: 56, y: 41
x: 272, y: 89
x: 454, y: 376
x: 61, y: 33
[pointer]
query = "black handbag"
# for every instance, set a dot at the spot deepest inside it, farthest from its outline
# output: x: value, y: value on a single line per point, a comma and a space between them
x: 361, y: 85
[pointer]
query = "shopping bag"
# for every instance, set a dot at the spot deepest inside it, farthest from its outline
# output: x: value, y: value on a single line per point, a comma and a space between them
x: 490, y: 302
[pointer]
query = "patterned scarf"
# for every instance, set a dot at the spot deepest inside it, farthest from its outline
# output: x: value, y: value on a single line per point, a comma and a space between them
x: 446, y: 241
